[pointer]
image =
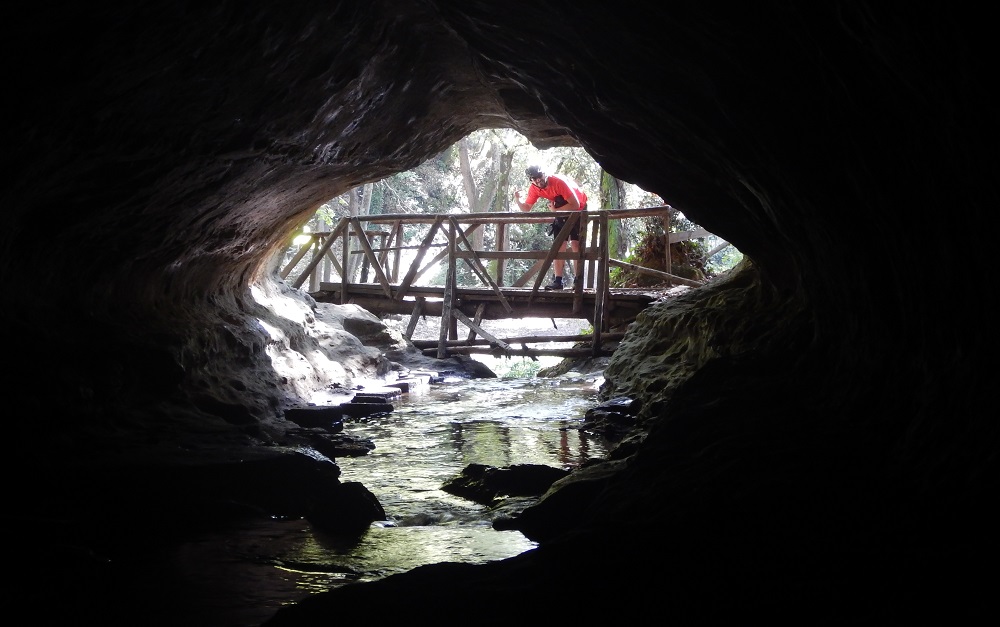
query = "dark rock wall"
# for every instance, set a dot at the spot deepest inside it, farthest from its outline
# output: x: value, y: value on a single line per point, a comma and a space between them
x: 158, y: 153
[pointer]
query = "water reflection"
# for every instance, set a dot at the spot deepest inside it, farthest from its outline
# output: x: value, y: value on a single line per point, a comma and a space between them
x: 432, y: 434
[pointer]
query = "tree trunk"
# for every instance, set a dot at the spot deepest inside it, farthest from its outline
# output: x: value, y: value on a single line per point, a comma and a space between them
x: 468, y: 182
x: 359, y: 204
x: 471, y: 192
x: 613, y: 197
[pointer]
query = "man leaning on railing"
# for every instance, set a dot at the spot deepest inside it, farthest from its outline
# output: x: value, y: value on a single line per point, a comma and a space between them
x: 563, y: 195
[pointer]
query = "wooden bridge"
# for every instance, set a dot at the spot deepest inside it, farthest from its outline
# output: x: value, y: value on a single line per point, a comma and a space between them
x: 381, y: 252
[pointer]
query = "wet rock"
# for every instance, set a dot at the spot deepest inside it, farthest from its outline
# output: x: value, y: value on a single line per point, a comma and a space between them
x: 622, y: 404
x: 341, y: 445
x: 328, y: 418
x: 484, y: 484
x: 363, y: 410
x: 569, y: 498
x: 377, y: 397
x: 614, y: 419
x: 347, y: 510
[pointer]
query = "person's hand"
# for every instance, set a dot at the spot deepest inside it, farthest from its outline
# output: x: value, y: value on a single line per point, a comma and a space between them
x: 517, y: 194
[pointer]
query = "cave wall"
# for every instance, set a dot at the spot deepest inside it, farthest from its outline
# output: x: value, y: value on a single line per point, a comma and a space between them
x: 157, y: 154
x: 174, y: 150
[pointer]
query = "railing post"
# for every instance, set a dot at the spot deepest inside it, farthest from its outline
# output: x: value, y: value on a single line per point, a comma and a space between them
x: 318, y: 250
x: 345, y: 257
x: 596, y: 241
x: 449, y: 295
x: 398, y: 225
x: 501, y: 246
x: 603, y: 280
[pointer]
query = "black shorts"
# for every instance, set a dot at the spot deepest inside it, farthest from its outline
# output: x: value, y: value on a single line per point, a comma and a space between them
x: 558, y: 223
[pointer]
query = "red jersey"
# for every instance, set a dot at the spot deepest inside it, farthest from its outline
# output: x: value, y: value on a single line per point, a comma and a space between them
x: 556, y: 185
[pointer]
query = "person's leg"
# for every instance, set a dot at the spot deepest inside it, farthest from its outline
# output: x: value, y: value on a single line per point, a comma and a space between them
x: 558, y: 266
x: 574, y: 246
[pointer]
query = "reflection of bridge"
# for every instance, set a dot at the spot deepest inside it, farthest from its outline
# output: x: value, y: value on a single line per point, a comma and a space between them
x: 453, y: 234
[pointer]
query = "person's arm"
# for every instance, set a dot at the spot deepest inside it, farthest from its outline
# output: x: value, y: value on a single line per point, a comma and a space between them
x: 561, y: 187
x: 525, y: 206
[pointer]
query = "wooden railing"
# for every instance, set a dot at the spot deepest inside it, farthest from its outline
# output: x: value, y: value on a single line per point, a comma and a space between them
x: 381, y: 253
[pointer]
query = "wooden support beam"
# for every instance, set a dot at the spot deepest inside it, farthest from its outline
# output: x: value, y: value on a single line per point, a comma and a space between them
x: 449, y: 296
x: 313, y: 238
x: 530, y: 272
x: 572, y: 217
x: 718, y: 249
x: 517, y: 352
x: 504, y: 346
x: 521, y: 339
x: 515, y: 217
x: 397, y: 228
x: 682, y: 236
x: 478, y: 320
x: 371, y: 257
x: 424, y: 247
x: 334, y: 262
x: 601, y: 302
x: 656, y: 273
x: 418, y: 310
x: 477, y: 266
x: 594, y: 260
x: 345, y: 278
x: 501, y: 248
x: 578, y: 265
x: 567, y: 255
x: 319, y: 255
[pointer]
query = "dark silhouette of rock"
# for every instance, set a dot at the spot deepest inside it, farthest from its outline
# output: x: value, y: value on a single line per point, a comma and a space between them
x: 341, y: 445
x: 347, y: 510
x: 484, y: 484
x: 327, y: 418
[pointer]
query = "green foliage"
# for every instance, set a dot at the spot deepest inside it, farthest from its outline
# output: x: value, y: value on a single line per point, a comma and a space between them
x: 497, y: 160
x: 325, y: 217
x: 617, y: 277
x: 520, y: 368
x: 724, y: 260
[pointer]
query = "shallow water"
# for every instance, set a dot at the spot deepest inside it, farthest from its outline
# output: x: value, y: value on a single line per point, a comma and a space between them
x: 243, y: 576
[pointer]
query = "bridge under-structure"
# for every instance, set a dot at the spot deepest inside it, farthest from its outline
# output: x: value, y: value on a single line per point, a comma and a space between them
x: 357, y: 244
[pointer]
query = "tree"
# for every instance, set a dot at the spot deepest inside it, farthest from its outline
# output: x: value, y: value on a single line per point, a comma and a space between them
x: 613, y: 197
x: 359, y: 204
x: 478, y: 174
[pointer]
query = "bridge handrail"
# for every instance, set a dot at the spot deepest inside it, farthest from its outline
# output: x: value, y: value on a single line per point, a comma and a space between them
x: 593, y: 263
x: 511, y: 216
x: 321, y: 242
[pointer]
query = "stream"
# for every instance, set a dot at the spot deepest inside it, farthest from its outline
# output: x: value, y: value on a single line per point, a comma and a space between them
x: 241, y: 577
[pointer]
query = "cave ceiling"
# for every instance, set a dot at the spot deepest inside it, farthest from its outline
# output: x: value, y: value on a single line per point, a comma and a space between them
x: 158, y: 154
x: 167, y: 151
